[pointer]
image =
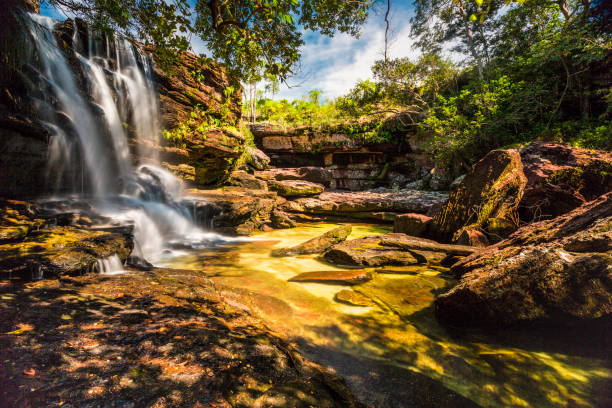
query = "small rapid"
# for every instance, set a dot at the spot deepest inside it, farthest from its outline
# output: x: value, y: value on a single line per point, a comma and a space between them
x: 100, y: 107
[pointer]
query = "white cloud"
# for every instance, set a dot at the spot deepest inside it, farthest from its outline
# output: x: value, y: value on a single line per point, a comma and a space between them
x: 335, y: 64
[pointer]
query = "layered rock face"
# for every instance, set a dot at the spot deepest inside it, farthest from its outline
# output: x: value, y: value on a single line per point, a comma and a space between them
x: 195, y: 91
x: 354, y: 165
x: 559, y: 270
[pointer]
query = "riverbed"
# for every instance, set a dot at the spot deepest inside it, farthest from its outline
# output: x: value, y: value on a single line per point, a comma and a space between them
x: 393, y: 353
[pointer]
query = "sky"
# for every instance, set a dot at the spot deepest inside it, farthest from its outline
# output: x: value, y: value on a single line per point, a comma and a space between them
x: 335, y: 64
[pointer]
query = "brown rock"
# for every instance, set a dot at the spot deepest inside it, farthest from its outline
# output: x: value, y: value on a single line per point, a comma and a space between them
x: 411, y: 224
x: 295, y: 188
x: 557, y: 270
x: 350, y: 297
x: 470, y: 236
x: 492, y: 189
x: 256, y: 159
x: 413, y: 243
x: 317, y: 175
x: 281, y: 220
x: 561, y: 178
x: 346, y: 277
x: 368, y: 252
x: 317, y: 244
x: 246, y: 180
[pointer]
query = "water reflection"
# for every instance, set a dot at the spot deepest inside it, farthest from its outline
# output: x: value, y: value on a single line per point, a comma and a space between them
x: 395, y: 354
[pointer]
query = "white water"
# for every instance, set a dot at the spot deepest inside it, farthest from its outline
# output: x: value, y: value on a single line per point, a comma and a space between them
x: 110, y: 266
x: 123, y: 103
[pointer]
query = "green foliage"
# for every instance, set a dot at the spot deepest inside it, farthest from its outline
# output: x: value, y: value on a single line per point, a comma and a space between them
x: 308, y: 111
x: 252, y: 37
x: 197, y: 124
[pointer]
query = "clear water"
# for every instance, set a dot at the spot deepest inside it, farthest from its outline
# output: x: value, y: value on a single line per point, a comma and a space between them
x: 395, y: 354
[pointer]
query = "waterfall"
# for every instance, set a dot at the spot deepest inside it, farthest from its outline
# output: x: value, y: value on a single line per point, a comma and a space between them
x: 92, y: 126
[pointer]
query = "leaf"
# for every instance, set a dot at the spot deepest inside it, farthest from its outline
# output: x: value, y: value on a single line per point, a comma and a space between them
x: 30, y: 372
x: 473, y: 17
x: 66, y: 317
x: 22, y: 328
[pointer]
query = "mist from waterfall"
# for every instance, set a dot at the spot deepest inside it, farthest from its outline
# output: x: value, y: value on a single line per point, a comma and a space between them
x: 89, y: 152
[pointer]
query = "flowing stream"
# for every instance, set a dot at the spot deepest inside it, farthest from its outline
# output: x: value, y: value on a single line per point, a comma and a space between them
x: 392, y: 354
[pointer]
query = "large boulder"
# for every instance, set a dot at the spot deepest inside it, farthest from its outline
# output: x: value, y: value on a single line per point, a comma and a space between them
x: 556, y: 270
x: 295, y: 188
x: 493, y: 189
x: 561, y: 178
x: 317, y: 244
x: 246, y: 180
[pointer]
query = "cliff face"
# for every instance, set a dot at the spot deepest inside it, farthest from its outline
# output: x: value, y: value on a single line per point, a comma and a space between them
x: 190, y: 85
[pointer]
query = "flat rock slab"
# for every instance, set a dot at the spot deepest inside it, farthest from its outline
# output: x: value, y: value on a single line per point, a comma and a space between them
x: 414, y: 243
x: 295, y: 188
x: 317, y: 244
x: 350, y: 297
x: 346, y: 202
x: 349, y: 277
x: 368, y: 252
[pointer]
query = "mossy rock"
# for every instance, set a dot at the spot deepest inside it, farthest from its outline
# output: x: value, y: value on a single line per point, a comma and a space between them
x: 295, y: 188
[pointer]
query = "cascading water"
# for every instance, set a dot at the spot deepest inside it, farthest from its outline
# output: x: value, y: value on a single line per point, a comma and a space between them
x: 90, y: 129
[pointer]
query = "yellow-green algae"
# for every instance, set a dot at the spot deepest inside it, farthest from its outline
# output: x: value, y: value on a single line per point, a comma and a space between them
x: 401, y: 328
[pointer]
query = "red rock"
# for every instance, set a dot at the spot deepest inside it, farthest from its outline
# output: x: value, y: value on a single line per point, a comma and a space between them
x: 411, y: 224
x: 471, y: 236
x: 556, y: 271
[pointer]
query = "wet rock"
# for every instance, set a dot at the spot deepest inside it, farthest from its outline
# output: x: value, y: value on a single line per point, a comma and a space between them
x: 281, y: 220
x: 346, y: 277
x: 63, y: 250
x: 411, y: 224
x: 368, y: 252
x: 350, y: 297
x: 557, y: 271
x: 295, y: 188
x: 246, y: 180
x: 471, y: 236
x: 233, y: 210
x: 317, y: 244
x: 256, y: 159
x: 492, y: 189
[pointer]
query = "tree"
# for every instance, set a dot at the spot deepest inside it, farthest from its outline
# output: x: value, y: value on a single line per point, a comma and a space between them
x: 440, y: 22
x: 249, y: 36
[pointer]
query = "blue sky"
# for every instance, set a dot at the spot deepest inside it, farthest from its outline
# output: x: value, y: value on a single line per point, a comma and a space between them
x: 335, y: 64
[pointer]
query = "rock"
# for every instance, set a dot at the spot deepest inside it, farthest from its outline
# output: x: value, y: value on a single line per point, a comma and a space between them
x: 366, y: 203
x: 256, y: 159
x: 368, y: 252
x: 411, y: 224
x: 492, y: 189
x: 39, y: 254
x: 456, y: 182
x: 561, y: 178
x: 317, y: 244
x: 295, y: 188
x: 350, y: 297
x: 470, y: 236
x: 346, y: 277
x: 232, y: 210
x: 281, y: 220
x: 439, y: 180
x: 413, y: 243
x: 312, y: 174
x: 246, y: 180
x: 555, y: 271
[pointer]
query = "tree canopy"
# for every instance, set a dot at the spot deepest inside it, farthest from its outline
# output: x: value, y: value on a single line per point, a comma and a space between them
x: 252, y: 37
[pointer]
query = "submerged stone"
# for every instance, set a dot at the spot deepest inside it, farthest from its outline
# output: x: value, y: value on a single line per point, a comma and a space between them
x: 368, y: 252
x: 350, y: 297
x: 346, y: 277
